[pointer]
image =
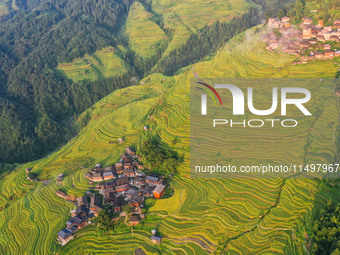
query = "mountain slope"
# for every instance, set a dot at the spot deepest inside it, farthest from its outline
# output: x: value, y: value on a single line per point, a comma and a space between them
x: 203, y: 215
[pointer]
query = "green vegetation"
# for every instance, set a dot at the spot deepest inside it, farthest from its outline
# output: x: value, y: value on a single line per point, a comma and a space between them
x: 326, y: 233
x: 203, y: 215
x: 67, y: 42
x: 144, y: 34
x: 103, y: 221
x: 160, y: 160
x: 103, y: 63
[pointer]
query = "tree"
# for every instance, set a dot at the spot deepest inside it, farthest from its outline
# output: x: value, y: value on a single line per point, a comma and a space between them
x: 280, y: 13
x: 326, y: 231
x: 103, y: 221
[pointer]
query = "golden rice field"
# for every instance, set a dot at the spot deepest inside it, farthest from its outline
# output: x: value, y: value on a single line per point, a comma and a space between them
x: 252, y: 216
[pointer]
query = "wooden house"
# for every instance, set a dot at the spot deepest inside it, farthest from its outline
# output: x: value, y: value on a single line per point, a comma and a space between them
x: 137, y: 200
x: 122, y: 188
x: 97, y: 177
x: 64, y: 236
x: 134, y: 219
x: 121, y: 181
x: 152, y: 179
x: 159, y: 191
x: 156, y: 239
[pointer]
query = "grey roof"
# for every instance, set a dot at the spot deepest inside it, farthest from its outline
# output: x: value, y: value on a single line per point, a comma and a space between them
x: 137, y: 199
x: 82, y: 208
x: 148, y: 189
x: 152, y: 178
x: 106, y: 174
x: 132, y: 192
x: 64, y: 233
x: 69, y: 223
x: 159, y: 188
x: 108, y: 168
x: 121, y: 181
x: 139, y: 180
x: 77, y: 220
x: 156, y: 238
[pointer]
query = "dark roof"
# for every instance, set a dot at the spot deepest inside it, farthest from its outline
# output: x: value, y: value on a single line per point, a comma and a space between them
x: 82, y: 208
x: 122, y: 187
x: 70, y: 222
x: 96, y: 175
x: 121, y: 181
x: 134, y: 217
x: 77, y: 220
x: 109, y: 184
x: 156, y: 238
x: 128, y: 171
x: 82, y: 200
x: 118, y: 201
x: 137, y: 199
x: 152, y: 178
x: 148, y: 190
x: 132, y: 192
x: 109, y: 191
x: 139, y: 180
x: 64, y: 233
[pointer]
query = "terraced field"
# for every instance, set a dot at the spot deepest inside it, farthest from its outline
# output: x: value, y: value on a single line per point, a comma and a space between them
x: 250, y: 216
x: 103, y: 63
x: 144, y: 34
x: 185, y: 17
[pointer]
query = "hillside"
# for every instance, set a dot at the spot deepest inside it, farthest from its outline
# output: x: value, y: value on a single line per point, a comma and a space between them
x: 55, y: 63
x: 203, y: 215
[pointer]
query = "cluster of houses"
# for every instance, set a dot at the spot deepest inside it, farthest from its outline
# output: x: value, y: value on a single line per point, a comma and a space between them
x: 310, y: 42
x: 123, y: 184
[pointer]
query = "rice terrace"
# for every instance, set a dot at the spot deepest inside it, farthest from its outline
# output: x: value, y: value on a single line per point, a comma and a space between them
x: 114, y: 173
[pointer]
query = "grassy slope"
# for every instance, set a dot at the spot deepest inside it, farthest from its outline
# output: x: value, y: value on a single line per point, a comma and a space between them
x: 143, y: 33
x: 185, y: 17
x: 103, y: 63
x: 202, y: 211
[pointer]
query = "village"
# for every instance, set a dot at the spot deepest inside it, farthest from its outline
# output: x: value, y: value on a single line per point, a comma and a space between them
x: 308, y: 42
x: 118, y: 186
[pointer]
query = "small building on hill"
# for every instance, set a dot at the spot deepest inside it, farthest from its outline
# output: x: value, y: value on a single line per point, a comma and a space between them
x: 64, y: 236
x: 156, y: 239
x: 152, y: 179
x: 134, y: 219
x: 121, y: 181
x: 159, y: 191
x: 108, y: 176
x: 97, y: 177
x: 137, y: 200
x: 122, y: 188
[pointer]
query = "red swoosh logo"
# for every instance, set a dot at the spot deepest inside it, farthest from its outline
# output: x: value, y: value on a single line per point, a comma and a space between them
x: 213, y: 90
